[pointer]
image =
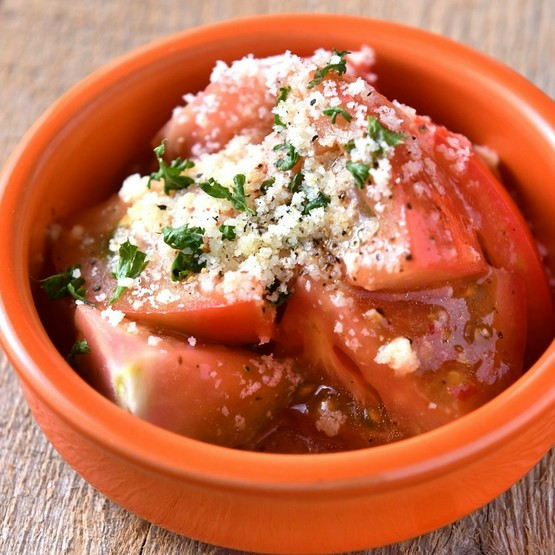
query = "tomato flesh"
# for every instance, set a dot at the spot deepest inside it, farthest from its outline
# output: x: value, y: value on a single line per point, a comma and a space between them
x: 206, y: 392
x: 449, y: 350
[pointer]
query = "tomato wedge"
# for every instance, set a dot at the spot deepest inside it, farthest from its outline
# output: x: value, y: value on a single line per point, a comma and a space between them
x: 229, y: 107
x: 212, y: 317
x: 504, y: 236
x: 431, y: 356
x: 206, y: 392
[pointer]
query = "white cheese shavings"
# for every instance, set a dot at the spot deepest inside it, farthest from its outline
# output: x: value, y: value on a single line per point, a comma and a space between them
x: 399, y: 355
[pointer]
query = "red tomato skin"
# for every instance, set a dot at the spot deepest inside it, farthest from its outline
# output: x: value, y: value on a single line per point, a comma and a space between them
x: 206, y: 392
x: 246, y: 322
x: 503, y: 232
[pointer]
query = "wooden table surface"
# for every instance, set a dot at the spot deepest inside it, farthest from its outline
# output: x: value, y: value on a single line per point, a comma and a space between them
x: 48, y: 45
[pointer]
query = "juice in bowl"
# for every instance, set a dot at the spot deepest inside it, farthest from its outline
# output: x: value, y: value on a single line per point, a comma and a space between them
x: 308, y: 291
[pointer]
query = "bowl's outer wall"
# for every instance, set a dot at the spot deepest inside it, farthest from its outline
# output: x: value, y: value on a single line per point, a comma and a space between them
x: 330, y: 503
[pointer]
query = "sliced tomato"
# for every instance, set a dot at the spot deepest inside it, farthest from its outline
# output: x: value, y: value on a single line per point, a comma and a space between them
x: 502, y: 230
x: 212, y: 317
x: 424, y: 235
x: 430, y: 356
x: 225, y: 109
x: 206, y: 392
x: 231, y: 106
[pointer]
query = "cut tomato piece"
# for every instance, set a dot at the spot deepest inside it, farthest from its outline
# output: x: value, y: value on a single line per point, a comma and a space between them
x: 421, y: 235
x: 162, y: 302
x: 211, y: 319
x: 431, y: 356
x: 502, y: 231
x: 226, y: 108
x: 206, y: 392
x: 234, y: 103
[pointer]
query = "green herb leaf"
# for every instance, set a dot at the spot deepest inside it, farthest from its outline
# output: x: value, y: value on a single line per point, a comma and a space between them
x: 266, y: 184
x: 282, y: 97
x: 68, y: 283
x: 290, y: 159
x: 320, y: 201
x: 171, y: 173
x: 189, y: 240
x: 340, y: 67
x: 184, y: 237
x: 215, y: 189
x: 296, y: 182
x: 131, y: 263
x: 380, y: 133
x: 337, y: 111
x: 360, y: 172
x: 349, y: 146
x: 80, y: 347
x: 228, y: 232
x: 184, y: 265
x: 237, y: 197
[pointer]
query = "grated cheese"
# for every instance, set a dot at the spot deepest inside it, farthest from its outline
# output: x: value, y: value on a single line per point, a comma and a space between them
x: 399, y: 355
x: 282, y: 237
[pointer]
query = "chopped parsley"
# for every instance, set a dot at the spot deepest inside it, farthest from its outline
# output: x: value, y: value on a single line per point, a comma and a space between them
x: 339, y: 66
x: 131, y: 263
x: 382, y: 134
x: 266, y: 184
x: 349, y: 146
x: 290, y: 159
x: 228, y: 232
x: 296, y: 182
x: 335, y: 111
x: 171, y: 174
x: 360, y: 172
x: 80, y: 347
x: 320, y: 201
x: 282, y: 97
x: 189, y: 241
x: 68, y: 283
x: 236, y: 196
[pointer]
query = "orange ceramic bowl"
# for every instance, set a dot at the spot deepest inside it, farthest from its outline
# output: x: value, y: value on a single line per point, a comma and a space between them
x: 75, y: 156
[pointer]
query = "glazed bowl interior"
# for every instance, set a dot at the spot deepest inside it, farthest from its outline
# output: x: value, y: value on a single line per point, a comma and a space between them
x: 79, y: 151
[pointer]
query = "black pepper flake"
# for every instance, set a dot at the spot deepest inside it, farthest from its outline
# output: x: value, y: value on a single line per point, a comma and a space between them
x: 179, y: 360
x: 500, y: 334
x: 408, y: 256
x: 162, y: 206
x: 312, y: 102
x: 409, y: 206
x: 96, y: 288
x: 314, y: 138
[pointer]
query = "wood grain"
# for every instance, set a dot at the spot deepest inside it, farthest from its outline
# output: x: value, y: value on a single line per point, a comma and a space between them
x: 45, y: 48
